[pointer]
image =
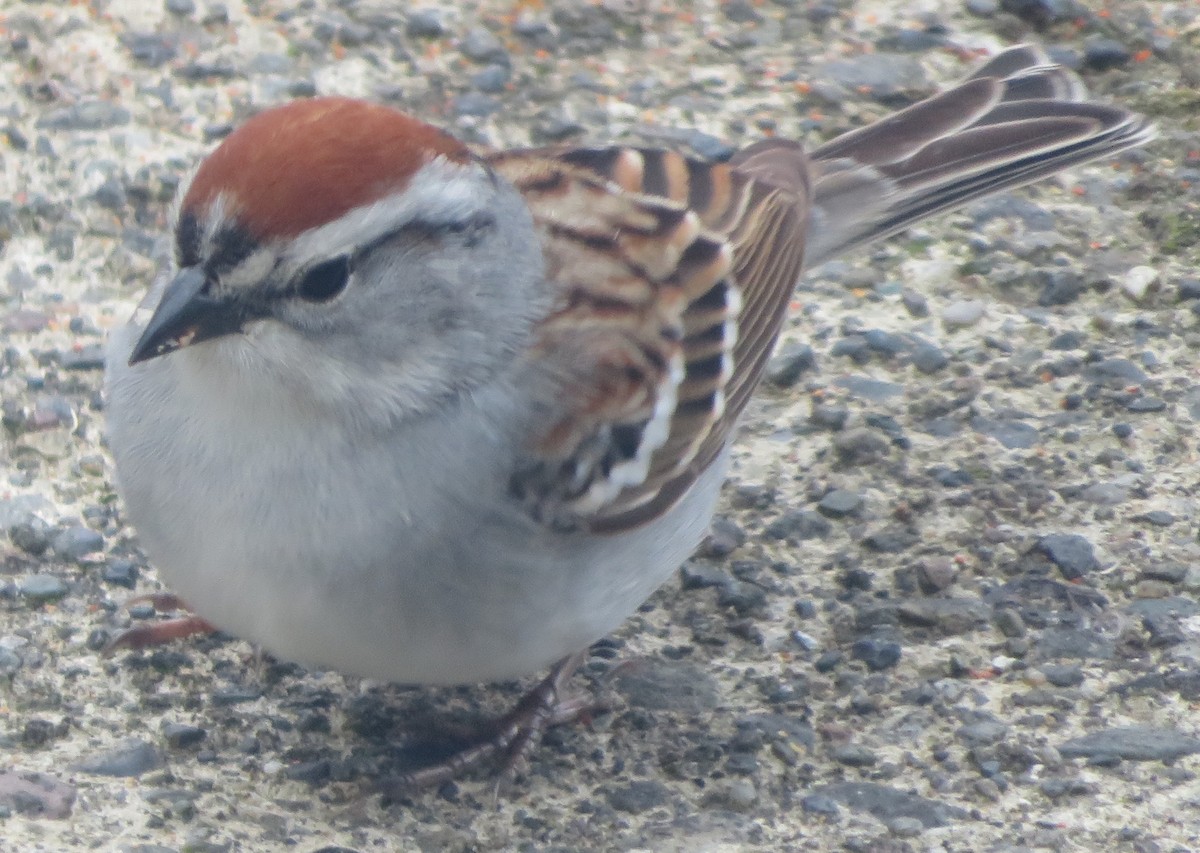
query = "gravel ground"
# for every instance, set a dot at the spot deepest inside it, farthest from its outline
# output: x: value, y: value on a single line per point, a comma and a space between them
x: 951, y: 602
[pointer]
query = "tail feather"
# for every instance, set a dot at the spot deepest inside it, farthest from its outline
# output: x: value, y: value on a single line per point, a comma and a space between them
x: 1017, y: 119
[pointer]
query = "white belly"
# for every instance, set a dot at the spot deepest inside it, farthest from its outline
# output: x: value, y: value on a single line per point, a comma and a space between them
x: 398, y: 558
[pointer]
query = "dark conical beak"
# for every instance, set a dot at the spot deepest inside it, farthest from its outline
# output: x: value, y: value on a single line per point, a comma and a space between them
x: 187, y: 315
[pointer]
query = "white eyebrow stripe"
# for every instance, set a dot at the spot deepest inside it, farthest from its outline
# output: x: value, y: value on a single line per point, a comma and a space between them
x: 441, y: 192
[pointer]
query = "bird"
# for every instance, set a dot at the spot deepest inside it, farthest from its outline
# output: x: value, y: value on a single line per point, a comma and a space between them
x: 429, y: 414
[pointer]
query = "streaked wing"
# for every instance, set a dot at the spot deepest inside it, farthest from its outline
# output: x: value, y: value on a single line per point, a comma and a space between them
x: 672, y: 280
x: 673, y: 275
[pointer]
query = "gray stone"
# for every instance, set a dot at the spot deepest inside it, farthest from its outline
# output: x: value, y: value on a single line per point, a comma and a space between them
x: 637, y: 796
x: 35, y: 794
x: 1013, y: 434
x: 76, y: 542
x: 86, y: 115
x: 659, y: 685
x: 1132, y: 743
x: 42, y: 588
x: 426, y: 23
x: 1070, y: 552
x: 877, y: 654
x: 840, y: 503
x: 482, y: 46
x: 131, y: 757
x: 875, y: 390
x: 888, y: 804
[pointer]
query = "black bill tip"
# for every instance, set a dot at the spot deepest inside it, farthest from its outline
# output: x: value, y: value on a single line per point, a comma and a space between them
x: 186, y: 315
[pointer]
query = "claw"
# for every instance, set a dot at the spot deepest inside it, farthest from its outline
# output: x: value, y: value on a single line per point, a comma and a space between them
x: 514, y: 735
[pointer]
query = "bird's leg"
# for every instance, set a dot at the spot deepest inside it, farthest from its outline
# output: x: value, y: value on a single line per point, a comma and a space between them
x: 512, y: 735
x: 158, y: 633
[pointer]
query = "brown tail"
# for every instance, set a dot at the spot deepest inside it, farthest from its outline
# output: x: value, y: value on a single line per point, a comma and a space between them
x: 1017, y: 119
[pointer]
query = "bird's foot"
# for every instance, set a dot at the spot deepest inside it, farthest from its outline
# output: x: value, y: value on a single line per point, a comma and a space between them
x: 510, y: 737
x: 158, y: 633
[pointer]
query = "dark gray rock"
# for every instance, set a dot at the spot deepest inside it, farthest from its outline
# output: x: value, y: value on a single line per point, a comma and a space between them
x: 659, y: 685
x: 492, y: 79
x: 1115, y: 373
x: 132, y: 757
x: 1040, y: 13
x: 86, y: 115
x: 33, y: 794
x: 637, y: 796
x: 1071, y: 552
x: 1105, y: 53
x: 887, y: 804
x: 820, y: 804
x: 854, y: 755
x: 1064, y: 675
x: 32, y: 537
x: 483, y: 46
x: 1132, y: 743
x: 182, y: 735
x: 891, y: 540
x: 76, y: 542
x: 877, y: 654
x: 929, y: 359
x: 874, y: 390
x: 798, y: 526
x: 840, y: 503
x: 1075, y: 643
x: 1010, y: 433
x: 476, y: 104
x: 983, y: 732
x: 42, y: 588
x: 426, y: 23
x: 884, y: 75
x: 121, y: 573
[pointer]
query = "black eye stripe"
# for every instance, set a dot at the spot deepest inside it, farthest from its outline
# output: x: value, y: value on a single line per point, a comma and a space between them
x: 232, y: 245
x: 327, y: 279
x: 324, y: 281
x: 187, y: 240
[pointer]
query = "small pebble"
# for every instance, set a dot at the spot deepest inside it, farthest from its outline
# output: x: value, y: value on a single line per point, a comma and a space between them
x: 76, y: 542
x: 854, y: 755
x: 426, y: 23
x: 1071, y: 552
x: 132, y: 757
x: 122, y: 573
x: 905, y: 827
x: 1104, y: 53
x: 878, y: 655
x: 983, y: 8
x: 482, y: 46
x: 182, y: 736
x: 820, y: 804
x: 791, y: 363
x: 1138, y: 281
x: 40, y: 589
x: 929, y: 359
x: 915, y: 303
x: 637, y: 796
x: 963, y: 313
x: 840, y: 503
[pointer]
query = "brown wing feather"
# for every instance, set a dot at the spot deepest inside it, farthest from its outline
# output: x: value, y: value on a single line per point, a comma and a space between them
x: 673, y: 274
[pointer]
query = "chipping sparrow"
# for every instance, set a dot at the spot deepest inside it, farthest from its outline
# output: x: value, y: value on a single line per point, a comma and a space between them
x: 410, y: 412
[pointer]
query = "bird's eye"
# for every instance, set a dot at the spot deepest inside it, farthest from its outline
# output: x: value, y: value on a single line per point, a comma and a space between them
x: 325, y: 281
